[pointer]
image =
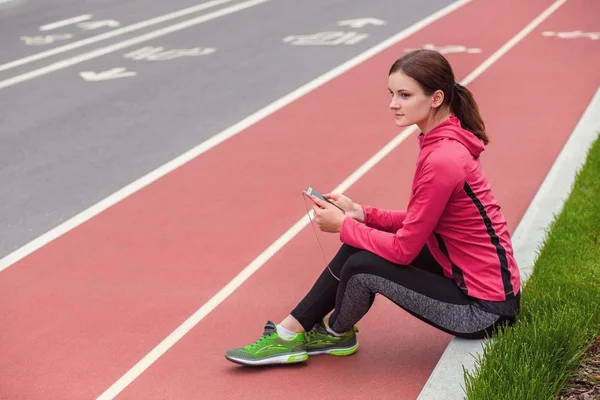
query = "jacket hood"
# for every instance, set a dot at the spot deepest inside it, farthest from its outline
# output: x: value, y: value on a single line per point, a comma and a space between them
x: 452, y: 129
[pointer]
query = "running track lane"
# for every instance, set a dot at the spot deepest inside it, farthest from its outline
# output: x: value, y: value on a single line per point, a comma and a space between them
x: 90, y: 304
x: 397, y: 353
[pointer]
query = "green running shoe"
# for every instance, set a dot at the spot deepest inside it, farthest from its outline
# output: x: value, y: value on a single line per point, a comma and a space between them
x: 270, y: 348
x: 320, y: 341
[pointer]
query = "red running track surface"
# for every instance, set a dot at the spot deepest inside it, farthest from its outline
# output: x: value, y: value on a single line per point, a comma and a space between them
x: 87, y: 307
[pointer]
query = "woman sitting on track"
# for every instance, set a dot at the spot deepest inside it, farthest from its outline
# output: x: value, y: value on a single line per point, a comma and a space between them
x: 447, y: 259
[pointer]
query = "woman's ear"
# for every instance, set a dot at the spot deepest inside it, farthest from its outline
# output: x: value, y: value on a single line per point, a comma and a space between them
x: 437, y: 99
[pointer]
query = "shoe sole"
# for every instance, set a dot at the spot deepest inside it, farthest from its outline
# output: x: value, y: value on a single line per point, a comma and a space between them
x: 290, y: 358
x: 335, y: 351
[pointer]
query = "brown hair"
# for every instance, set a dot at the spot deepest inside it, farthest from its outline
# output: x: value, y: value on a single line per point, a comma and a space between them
x: 432, y: 72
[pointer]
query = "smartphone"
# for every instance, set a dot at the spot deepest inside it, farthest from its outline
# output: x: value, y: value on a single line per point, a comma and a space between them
x: 310, y: 191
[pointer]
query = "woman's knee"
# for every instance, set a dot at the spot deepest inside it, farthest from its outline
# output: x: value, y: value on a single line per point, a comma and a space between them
x: 346, y: 251
x: 356, y: 263
x: 343, y: 254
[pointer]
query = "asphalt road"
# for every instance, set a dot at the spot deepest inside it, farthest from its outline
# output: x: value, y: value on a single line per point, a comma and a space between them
x: 70, y: 140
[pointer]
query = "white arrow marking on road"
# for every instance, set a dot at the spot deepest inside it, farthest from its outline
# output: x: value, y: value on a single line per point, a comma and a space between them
x: 143, y: 53
x: 171, y: 54
x: 448, y: 49
x: 326, y: 38
x: 65, y: 22
x: 360, y: 22
x: 44, y: 39
x: 88, y: 26
x: 114, y: 73
x: 573, y: 35
x: 158, y: 53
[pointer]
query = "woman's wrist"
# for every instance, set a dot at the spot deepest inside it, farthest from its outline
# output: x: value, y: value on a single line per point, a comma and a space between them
x: 358, y: 213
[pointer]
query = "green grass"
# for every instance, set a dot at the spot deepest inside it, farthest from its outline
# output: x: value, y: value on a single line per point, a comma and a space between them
x: 560, y: 305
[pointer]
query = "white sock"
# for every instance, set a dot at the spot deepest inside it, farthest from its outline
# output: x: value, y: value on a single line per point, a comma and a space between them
x: 284, y: 333
x: 326, y: 323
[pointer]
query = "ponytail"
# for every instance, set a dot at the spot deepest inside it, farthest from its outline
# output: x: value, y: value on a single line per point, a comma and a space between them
x: 465, y: 108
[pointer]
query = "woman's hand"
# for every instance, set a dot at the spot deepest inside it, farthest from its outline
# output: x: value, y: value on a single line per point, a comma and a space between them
x: 351, y: 209
x: 327, y: 216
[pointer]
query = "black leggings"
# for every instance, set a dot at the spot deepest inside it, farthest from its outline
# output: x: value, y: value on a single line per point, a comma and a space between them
x: 420, y: 288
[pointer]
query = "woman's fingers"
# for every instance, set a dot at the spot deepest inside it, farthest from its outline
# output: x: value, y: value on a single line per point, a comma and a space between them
x: 316, y: 209
x: 331, y: 196
x: 319, y: 202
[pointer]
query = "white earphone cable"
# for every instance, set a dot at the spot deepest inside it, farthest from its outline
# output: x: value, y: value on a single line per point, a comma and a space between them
x: 320, y: 245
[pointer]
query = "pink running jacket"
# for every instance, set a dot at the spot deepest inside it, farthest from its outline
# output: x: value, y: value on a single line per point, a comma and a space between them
x: 453, y: 211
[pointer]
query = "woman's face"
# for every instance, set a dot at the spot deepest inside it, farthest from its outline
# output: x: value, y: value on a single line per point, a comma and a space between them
x: 409, y: 104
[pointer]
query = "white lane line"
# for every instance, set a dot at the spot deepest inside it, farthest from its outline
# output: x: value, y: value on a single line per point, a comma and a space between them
x: 127, y: 43
x: 512, y: 42
x: 107, y: 35
x: 65, y: 22
x: 258, y: 262
x: 239, y: 279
